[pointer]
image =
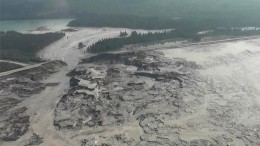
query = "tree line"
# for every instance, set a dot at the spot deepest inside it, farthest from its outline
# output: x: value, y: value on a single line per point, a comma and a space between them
x: 156, y: 23
x: 127, y: 21
x: 234, y: 32
x: 111, y: 44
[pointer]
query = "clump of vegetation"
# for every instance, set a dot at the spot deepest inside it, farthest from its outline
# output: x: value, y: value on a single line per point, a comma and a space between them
x: 112, y: 44
x: 234, y: 32
x: 24, y: 47
x: 5, y: 66
x: 123, y: 34
x: 80, y: 45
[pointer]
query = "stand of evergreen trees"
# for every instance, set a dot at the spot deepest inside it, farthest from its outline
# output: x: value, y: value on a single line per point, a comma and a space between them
x: 5, y: 66
x: 24, y: 47
x: 133, y: 22
x: 112, y: 44
x: 234, y: 32
x: 156, y: 23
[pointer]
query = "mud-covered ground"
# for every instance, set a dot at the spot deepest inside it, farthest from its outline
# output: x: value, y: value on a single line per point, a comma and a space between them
x: 16, y: 90
x: 154, y: 98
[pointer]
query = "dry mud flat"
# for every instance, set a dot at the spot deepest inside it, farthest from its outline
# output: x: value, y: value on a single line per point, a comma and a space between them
x: 145, y: 99
x: 16, y: 90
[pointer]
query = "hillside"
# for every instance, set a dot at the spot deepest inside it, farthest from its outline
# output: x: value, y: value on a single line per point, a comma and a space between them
x: 229, y: 12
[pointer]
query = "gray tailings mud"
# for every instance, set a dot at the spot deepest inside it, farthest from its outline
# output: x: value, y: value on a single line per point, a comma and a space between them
x: 144, y: 99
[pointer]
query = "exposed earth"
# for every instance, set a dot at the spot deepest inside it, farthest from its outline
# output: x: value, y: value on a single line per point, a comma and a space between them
x: 204, y: 95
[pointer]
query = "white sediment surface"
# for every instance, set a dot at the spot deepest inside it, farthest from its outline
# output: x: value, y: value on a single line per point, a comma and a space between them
x: 232, y: 70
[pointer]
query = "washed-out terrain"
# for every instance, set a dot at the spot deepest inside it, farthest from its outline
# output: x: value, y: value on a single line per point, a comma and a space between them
x: 166, y: 97
x: 199, y: 95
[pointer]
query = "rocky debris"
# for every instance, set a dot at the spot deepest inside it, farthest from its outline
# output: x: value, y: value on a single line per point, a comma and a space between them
x: 85, y: 113
x: 14, y: 122
x: 74, y: 82
x: 15, y: 125
x: 141, y: 60
x: 51, y: 84
x: 166, y: 77
x: 14, y: 89
x: 113, y: 73
x: 136, y: 85
x: 7, y: 103
x: 92, y: 142
x: 108, y: 57
x: 28, y: 82
x: 104, y: 144
x: 77, y: 71
x: 124, y: 139
x: 191, y: 65
x: 27, y: 89
x: 201, y: 142
x: 34, y: 140
x: 84, y: 142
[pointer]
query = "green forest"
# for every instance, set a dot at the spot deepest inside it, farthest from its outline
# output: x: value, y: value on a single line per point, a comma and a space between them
x: 137, y: 22
x: 5, y: 66
x: 233, y: 32
x: 24, y: 47
x: 112, y: 44
x: 120, y: 21
x: 153, y: 23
